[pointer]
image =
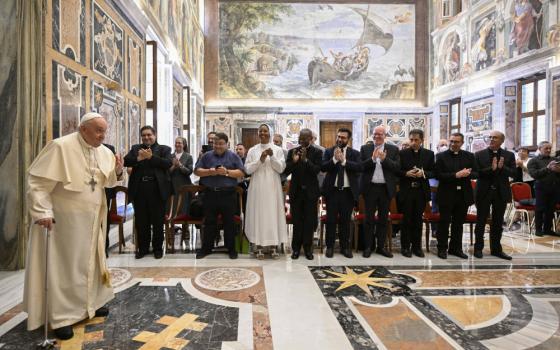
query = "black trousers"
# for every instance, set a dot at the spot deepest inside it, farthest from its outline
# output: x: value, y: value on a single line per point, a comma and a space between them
x: 304, y: 220
x: 377, y: 200
x: 411, y: 231
x: 222, y: 203
x: 546, y: 199
x: 339, y: 210
x: 498, y: 204
x: 149, y: 210
x: 452, y: 210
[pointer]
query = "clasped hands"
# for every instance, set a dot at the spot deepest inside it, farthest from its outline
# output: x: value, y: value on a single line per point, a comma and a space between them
x: 497, y: 164
x: 302, y: 154
x: 267, y: 152
x: 339, y: 155
x: 378, y: 153
x: 415, y: 173
x: 144, y: 154
x: 221, y: 170
x: 554, y: 166
x: 463, y: 173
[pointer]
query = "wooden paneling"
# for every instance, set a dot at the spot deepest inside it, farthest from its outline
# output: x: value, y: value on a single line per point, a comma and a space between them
x: 328, y: 132
x: 249, y: 137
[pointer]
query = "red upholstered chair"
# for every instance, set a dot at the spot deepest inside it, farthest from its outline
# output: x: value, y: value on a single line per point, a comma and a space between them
x: 183, y: 219
x: 359, y: 218
x: 115, y: 218
x: 168, y: 232
x: 522, y: 191
x: 395, y: 218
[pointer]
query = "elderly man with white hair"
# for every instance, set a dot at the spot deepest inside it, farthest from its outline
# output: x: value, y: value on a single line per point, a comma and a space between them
x: 66, y: 196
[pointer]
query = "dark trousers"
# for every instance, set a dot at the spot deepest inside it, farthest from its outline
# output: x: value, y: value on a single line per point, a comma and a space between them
x: 339, y: 210
x: 546, y: 199
x: 149, y: 210
x: 452, y: 211
x: 222, y: 203
x: 498, y: 204
x: 304, y: 219
x: 377, y: 200
x: 411, y: 231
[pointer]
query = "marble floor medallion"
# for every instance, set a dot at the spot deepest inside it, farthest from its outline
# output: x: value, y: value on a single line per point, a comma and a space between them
x: 482, y: 307
x: 119, y: 276
x: 227, y: 279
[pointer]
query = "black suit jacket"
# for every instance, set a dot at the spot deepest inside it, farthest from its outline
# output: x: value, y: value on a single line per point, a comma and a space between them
x: 486, y: 174
x: 160, y: 163
x: 353, y: 168
x: 391, y: 166
x: 448, y: 183
x: 407, y: 163
x: 304, y: 174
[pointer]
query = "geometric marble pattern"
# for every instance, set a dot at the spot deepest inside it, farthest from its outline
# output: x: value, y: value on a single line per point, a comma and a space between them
x: 474, y: 308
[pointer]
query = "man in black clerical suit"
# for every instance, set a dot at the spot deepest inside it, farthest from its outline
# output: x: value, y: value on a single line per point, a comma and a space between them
x: 381, y: 164
x: 417, y: 166
x: 455, y: 169
x: 304, y: 163
x: 342, y: 166
x: 149, y: 187
x: 495, y: 167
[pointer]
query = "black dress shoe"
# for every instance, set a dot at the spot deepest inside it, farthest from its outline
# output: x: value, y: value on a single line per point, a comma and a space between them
x: 232, y: 254
x: 366, y: 253
x: 347, y: 253
x: 478, y: 254
x: 384, y: 252
x: 201, y: 254
x: 406, y: 252
x: 295, y: 255
x: 139, y: 255
x: 442, y: 254
x: 102, y: 312
x: 158, y: 254
x: 459, y: 254
x: 309, y: 255
x: 64, y: 333
x: 501, y: 255
x: 329, y: 253
x: 418, y: 252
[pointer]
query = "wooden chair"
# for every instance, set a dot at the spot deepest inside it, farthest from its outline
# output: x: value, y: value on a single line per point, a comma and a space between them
x: 166, y: 225
x: 115, y: 218
x: 395, y: 218
x: 185, y: 219
x: 522, y: 191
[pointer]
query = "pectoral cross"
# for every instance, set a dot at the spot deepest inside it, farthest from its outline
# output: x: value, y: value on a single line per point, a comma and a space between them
x: 92, y: 183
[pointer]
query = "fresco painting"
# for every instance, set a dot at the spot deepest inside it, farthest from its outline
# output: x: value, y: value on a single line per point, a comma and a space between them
x: 314, y: 51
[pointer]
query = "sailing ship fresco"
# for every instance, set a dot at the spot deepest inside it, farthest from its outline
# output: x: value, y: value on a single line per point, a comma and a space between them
x: 278, y: 51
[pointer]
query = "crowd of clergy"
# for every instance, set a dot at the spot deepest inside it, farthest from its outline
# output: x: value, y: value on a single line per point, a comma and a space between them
x: 67, y: 198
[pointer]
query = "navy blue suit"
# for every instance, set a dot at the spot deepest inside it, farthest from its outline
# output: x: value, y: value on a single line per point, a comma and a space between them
x: 340, y: 199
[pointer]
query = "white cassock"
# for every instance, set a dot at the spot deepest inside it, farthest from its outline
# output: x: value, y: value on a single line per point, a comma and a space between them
x: 79, y: 282
x: 265, y: 223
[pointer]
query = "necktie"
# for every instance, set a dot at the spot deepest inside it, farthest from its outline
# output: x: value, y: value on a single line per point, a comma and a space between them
x: 340, y: 176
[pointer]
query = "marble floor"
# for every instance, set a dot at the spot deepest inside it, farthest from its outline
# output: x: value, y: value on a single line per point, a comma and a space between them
x: 376, y: 303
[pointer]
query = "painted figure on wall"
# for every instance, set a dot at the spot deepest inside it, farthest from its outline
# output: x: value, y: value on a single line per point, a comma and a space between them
x: 451, y: 58
x: 483, y: 51
x: 306, y: 51
x: 526, y: 31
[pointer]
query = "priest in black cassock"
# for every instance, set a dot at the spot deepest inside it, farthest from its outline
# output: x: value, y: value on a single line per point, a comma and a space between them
x: 455, y: 169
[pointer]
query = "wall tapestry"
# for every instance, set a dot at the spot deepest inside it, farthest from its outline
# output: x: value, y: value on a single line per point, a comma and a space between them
x: 306, y: 51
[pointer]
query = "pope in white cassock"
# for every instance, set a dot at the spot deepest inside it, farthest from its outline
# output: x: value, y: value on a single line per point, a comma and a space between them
x: 265, y: 223
x: 66, y: 194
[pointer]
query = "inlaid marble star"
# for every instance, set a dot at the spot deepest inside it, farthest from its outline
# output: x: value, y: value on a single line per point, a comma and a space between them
x: 362, y: 280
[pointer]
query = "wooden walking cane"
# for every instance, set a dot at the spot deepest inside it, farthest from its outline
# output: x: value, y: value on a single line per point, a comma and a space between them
x: 47, y: 343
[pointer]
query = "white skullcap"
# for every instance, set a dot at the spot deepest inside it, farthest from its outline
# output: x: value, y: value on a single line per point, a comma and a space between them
x: 89, y: 116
